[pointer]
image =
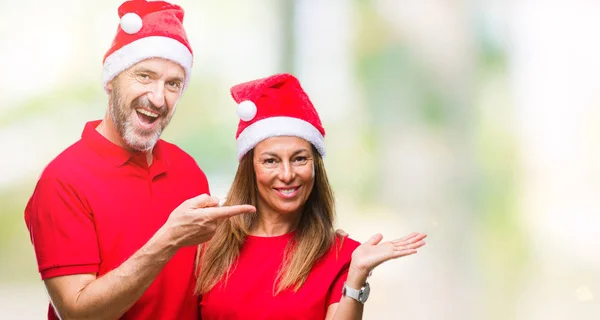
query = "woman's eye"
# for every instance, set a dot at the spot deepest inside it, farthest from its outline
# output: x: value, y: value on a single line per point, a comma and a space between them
x: 269, y: 162
x: 300, y: 160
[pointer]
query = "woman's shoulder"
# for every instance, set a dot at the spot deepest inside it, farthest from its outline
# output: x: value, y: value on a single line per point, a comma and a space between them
x: 346, y: 239
x: 339, y: 255
x: 345, y: 244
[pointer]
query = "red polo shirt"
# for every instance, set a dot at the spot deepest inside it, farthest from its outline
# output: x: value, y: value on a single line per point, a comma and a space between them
x: 96, y: 204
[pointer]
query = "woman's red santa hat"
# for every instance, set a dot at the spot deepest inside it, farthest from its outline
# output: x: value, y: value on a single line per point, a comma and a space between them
x: 148, y: 29
x: 275, y: 106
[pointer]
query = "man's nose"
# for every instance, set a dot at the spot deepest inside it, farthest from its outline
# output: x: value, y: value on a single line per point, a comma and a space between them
x: 157, y: 94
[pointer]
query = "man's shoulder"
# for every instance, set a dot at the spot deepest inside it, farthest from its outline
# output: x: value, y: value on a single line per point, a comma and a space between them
x: 177, y: 155
x: 184, y: 165
x: 174, y: 151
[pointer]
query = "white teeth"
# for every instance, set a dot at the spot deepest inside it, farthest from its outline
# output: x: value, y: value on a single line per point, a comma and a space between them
x: 287, y: 191
x: 146, y: 112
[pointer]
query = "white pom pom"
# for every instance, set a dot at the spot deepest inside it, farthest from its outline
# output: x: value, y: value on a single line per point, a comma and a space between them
x: 246, y: 110
x: 131, y: 23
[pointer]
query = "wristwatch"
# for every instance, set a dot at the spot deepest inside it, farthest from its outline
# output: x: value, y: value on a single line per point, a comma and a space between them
x: 360, y: 295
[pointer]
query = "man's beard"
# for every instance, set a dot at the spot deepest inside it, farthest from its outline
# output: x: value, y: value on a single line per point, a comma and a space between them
x: 136, y: 138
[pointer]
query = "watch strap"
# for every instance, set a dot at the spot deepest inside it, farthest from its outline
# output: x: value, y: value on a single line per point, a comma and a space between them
x: 351, y: 292
x: 361, y: 295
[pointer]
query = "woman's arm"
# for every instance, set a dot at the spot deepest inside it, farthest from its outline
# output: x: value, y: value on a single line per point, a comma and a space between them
x: 364, y: 259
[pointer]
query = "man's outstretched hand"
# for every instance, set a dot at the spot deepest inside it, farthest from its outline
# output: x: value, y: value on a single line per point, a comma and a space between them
x: 196, y: 219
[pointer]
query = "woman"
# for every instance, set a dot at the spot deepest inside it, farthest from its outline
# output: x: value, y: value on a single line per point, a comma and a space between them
x: 285, y: 261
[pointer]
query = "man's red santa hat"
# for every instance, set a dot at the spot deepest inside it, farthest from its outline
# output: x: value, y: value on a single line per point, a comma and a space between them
x: 275, y: 106
x: 148, y: 29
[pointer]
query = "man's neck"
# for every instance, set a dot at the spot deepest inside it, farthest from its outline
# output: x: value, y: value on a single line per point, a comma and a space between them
x: 107, y: 129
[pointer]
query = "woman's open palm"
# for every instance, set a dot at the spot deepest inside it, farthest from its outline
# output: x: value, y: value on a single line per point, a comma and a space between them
x: 373, y: 253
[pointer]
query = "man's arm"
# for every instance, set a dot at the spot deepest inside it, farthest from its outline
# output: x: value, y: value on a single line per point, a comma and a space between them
x: 85, y: 296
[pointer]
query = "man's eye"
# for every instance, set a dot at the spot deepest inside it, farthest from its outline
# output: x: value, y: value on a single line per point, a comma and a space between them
x: 144, y: 77
x: 174, y: 84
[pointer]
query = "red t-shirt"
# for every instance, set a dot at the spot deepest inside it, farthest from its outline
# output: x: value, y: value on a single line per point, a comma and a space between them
x: 248, y: 293
x: 96, y: 204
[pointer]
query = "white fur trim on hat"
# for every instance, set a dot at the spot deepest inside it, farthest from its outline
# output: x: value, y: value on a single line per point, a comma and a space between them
x: 275, y: 127
x: 146, y: 48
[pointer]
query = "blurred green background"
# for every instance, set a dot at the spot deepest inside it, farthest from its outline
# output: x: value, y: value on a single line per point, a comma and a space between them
x: 476, y: 122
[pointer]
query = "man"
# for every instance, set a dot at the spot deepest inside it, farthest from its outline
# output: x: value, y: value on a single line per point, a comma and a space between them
x: 115, y: 219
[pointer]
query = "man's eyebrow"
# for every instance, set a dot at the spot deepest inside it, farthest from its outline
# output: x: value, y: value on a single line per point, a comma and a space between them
x: 144, y: 70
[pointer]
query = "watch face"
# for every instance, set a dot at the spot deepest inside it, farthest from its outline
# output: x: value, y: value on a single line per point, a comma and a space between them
x: 364, y: 293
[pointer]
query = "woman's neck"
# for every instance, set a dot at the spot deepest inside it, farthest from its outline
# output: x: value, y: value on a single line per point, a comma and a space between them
x: 274, y: 224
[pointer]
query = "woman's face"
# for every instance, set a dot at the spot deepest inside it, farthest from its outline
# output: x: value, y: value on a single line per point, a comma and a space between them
x: 284, y: 174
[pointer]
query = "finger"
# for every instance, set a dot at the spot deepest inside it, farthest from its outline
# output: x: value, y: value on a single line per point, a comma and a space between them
x: 415, y: 245
x: 218, y: 213
x: 375, y: 239
x: 203, y: 201
x: 407, y: 238
x: 411, y: 236
x: 422, y: 236
x: 415, y: 238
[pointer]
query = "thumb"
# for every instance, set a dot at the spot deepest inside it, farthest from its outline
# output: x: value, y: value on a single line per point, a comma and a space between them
x: 375, y: 239
x: 203, y: 201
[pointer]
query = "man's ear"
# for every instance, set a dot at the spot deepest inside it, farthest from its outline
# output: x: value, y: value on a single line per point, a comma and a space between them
x: 109, y: 87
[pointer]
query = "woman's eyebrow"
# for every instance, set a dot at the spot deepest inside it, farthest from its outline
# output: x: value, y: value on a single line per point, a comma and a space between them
x: 273, y: 154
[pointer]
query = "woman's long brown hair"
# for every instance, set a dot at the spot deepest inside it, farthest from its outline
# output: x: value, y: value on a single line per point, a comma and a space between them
x: 312, y: 239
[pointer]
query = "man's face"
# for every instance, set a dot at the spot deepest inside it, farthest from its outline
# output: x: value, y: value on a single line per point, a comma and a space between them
x: 143, y: 100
